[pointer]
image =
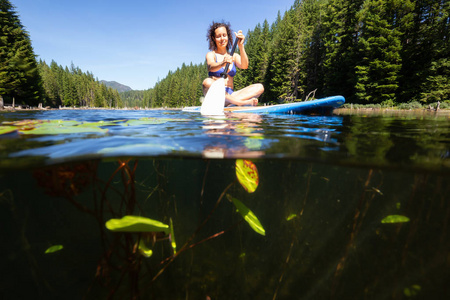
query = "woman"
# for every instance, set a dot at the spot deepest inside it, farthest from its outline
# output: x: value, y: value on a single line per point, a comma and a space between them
x: 220, y: 41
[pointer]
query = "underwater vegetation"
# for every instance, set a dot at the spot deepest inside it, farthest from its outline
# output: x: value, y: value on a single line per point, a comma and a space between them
x: 237, y: 229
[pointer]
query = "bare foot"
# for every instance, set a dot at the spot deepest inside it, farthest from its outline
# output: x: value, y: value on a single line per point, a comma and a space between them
x: 252, y: 102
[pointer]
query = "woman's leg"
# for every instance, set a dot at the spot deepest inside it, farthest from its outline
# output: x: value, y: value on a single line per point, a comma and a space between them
x: 249, y: 92
x: 207, y: 84
x: 246, y: 96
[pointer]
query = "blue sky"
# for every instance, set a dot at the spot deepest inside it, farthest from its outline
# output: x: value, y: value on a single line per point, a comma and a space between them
x: 134, y: 42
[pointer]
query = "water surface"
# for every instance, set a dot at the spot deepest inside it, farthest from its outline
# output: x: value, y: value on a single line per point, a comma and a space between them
x: 405, y: 141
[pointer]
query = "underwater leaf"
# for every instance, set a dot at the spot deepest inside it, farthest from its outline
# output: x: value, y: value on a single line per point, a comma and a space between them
x: 54, y: 249
x: 248, y: 215
x: 7, y: 129
x: 247, y: 174
x: 291, y: 216
x: 412, y: 290
x: 144, y: 250
x: 395, y: 219
x: 136, y: 224
x: 172, y: 238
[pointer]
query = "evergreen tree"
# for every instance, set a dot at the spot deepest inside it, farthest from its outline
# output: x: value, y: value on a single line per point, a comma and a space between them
x: 426, y: 49
x: 339, y: 35
x: 284, y: 59
x: 313, y: 46
x: 379, y: 46
x: 257, y: 48
x: 19, y: 75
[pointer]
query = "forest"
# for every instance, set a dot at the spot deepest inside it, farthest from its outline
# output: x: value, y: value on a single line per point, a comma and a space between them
x: 384, y: 52
x: 26, y: 81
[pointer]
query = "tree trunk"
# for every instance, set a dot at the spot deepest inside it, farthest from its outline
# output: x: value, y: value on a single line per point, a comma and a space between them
x: 1, y: 102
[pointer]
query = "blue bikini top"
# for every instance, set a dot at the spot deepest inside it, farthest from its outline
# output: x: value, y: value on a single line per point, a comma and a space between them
x: 218, y: 73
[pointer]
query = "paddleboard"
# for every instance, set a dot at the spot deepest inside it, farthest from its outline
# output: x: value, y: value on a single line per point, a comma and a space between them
x: 319, y: 106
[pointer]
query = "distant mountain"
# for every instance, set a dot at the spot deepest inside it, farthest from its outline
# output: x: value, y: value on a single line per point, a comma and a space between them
x: 117, y: 86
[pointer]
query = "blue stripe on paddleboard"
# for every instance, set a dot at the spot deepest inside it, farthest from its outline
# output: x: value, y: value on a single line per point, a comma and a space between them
x: 319, y: 104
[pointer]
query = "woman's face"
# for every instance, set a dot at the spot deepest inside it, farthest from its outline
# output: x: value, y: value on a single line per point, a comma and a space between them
x: 221, y: 37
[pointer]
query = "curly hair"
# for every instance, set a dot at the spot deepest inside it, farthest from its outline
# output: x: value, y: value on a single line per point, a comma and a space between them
x: 211, y: 35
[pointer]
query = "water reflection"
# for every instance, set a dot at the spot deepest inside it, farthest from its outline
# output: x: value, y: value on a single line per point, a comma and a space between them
x: 245, y: 126
x: 384, y: 141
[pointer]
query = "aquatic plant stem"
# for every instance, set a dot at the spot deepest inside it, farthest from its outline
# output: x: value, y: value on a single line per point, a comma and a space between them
x: 187, y: 243
x: 358, y: 218
x: 286, y: 263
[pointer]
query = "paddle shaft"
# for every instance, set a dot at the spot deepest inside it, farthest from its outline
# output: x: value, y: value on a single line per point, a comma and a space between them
x: 224, y: 74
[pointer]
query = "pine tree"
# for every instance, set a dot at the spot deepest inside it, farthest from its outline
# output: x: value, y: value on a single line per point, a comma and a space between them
x: 19, y: 75
x: 283, y: 69
x: 339, y: 35
x: 313, y: 50
x: 379, y: 49
x: 430, y: 52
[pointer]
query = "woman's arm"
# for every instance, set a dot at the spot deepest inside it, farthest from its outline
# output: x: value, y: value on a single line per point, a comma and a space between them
x: 214, y: 66
x: 241, y: 60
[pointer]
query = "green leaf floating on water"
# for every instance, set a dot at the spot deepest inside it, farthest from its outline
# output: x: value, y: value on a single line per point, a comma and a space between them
x: 46, y: 130
x: 248, y: 215
x: 247, y: 174
x: 46, y: 127
x: 146, y: 121
x: 395, y: 219
x: 54, y: 249
x: 7, y: 129
x: 136, y: 224
x: 100, y: 123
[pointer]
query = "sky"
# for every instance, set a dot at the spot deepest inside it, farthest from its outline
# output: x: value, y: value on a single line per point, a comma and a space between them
x: 134, y: 42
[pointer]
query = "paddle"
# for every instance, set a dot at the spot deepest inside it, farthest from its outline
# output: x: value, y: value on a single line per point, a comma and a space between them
x: 214, y: 101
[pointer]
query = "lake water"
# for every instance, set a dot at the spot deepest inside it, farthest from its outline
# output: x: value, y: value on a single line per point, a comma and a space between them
x: 352, y: 206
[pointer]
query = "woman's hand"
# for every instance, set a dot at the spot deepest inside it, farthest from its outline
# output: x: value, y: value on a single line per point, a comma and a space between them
x: 227, y: 59
x: 242, y: 59
x: 241, y: 37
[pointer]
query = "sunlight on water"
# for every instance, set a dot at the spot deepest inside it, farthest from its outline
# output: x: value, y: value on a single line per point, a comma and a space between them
x: 350, y: 139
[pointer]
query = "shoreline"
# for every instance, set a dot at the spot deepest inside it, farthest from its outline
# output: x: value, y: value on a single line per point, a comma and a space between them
x: 391, y: 111
x: 336, y: 111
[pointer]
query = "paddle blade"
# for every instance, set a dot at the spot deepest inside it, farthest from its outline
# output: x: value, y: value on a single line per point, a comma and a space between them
x: 215, y: 99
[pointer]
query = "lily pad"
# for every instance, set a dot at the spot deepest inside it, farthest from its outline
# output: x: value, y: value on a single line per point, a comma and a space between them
x: 99, y: 123
x: 247, y: 174
x: 7, y: 129
x: 248, y: 215
x: 136, y: 224
x: 46, y: 130
x: 145, y: 121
